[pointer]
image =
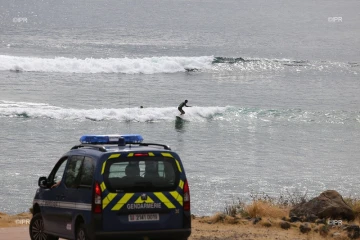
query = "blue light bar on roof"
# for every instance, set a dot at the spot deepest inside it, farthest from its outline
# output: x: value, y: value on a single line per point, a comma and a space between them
x: 111, y: 139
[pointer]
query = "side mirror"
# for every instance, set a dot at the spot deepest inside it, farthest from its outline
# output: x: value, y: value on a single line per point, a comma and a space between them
x: 42, y: 182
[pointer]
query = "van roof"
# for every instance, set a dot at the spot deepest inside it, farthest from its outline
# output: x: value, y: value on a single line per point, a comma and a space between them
x: 126, y: 147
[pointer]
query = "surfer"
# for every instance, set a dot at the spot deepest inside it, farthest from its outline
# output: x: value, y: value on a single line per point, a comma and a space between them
x: 183, y: 104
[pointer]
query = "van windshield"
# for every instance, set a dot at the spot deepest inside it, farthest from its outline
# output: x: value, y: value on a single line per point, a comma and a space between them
x: 141, y: 174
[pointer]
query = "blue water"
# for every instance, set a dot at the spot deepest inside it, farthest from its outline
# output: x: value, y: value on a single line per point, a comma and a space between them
x: 274, y: 88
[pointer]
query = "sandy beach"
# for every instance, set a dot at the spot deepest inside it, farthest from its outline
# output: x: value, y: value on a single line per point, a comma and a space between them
x: 16, y: 227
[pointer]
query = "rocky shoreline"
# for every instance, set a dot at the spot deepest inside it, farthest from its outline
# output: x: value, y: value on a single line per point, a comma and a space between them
x: 325, y: 216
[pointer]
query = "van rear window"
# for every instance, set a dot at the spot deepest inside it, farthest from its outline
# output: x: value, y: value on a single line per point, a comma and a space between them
x: 150, y: 174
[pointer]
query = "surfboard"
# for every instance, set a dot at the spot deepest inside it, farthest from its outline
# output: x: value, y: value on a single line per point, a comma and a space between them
x: 181, y: 118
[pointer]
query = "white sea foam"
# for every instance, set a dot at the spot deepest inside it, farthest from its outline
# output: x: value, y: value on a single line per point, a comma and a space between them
x: 40, y: 110
x: 165, y: 64
x: 193, y: 114
x: 149, y: 65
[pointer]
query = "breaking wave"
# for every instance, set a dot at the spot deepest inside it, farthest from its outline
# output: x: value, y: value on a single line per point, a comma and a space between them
x: 153, y: 65
x: 42, y: 110
x: 150, y: 65
x: 167, y: 114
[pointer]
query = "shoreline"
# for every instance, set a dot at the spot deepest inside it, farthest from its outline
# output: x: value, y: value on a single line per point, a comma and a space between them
x: 288, y: 217
x: 221, y: 227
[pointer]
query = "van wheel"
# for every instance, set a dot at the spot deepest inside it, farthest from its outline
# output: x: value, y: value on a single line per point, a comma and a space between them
x: 81, y: 233
x: 36, y: 229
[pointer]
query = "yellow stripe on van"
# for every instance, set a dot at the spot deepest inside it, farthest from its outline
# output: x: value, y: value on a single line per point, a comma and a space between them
x: 103, y: 187
x: 178, y: 165
x: 103, y: 168
x: 181, y: 184
x: 108, y: 199
x: 167, y: 155
x: 151, y: 154
x: 164, y: 199
x: 177, y: 197
x: 114, y: 155
x: 130, y: 155
x: 122, y: 201
x: 148, y: 200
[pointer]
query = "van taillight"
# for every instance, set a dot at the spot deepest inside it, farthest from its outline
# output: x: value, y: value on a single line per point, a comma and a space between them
x: 186, y: 196
x: 141, y: 155
x: 97, y: 198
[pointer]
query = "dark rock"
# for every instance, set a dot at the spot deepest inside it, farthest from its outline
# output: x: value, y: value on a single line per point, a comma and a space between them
x: 353, y: 231
x: 352, y: 227
x: 305, y: 228
x: 328, y: 204
x: 320, y: 221
x: 191, y: 69
x: 285, y: 225
x: 256, y: 220
x: 295, y: 219
x: 311, y: 218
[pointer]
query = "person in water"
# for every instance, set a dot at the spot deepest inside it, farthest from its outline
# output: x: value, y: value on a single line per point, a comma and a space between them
x: 183, y: 104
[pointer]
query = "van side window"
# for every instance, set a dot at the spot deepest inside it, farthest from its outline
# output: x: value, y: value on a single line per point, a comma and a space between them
x: 72, y: 174
x: 87, y: 172
x: 57, y: 173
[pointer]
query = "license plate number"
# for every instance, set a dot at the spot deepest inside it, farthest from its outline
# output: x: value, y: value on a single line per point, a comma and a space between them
x: 143, y: 217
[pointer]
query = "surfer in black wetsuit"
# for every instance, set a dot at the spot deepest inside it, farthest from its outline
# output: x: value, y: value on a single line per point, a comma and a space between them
x: 183, y: 104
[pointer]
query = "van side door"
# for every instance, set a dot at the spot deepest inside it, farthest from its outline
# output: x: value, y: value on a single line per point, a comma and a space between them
x: 71, y: 182
x: 79, y: 182
x: 52, y: 197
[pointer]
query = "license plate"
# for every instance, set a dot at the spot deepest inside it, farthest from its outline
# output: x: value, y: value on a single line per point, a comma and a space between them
x: 143, y: 217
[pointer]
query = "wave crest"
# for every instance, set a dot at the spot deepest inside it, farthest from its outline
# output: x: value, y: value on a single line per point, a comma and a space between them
x: 167, y: 114
x: 40, y: 110
x: 153, y: 65
x: 109, y: 65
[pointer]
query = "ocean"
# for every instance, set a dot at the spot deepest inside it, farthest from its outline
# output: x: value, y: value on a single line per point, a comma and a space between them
x: 273, y: 85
